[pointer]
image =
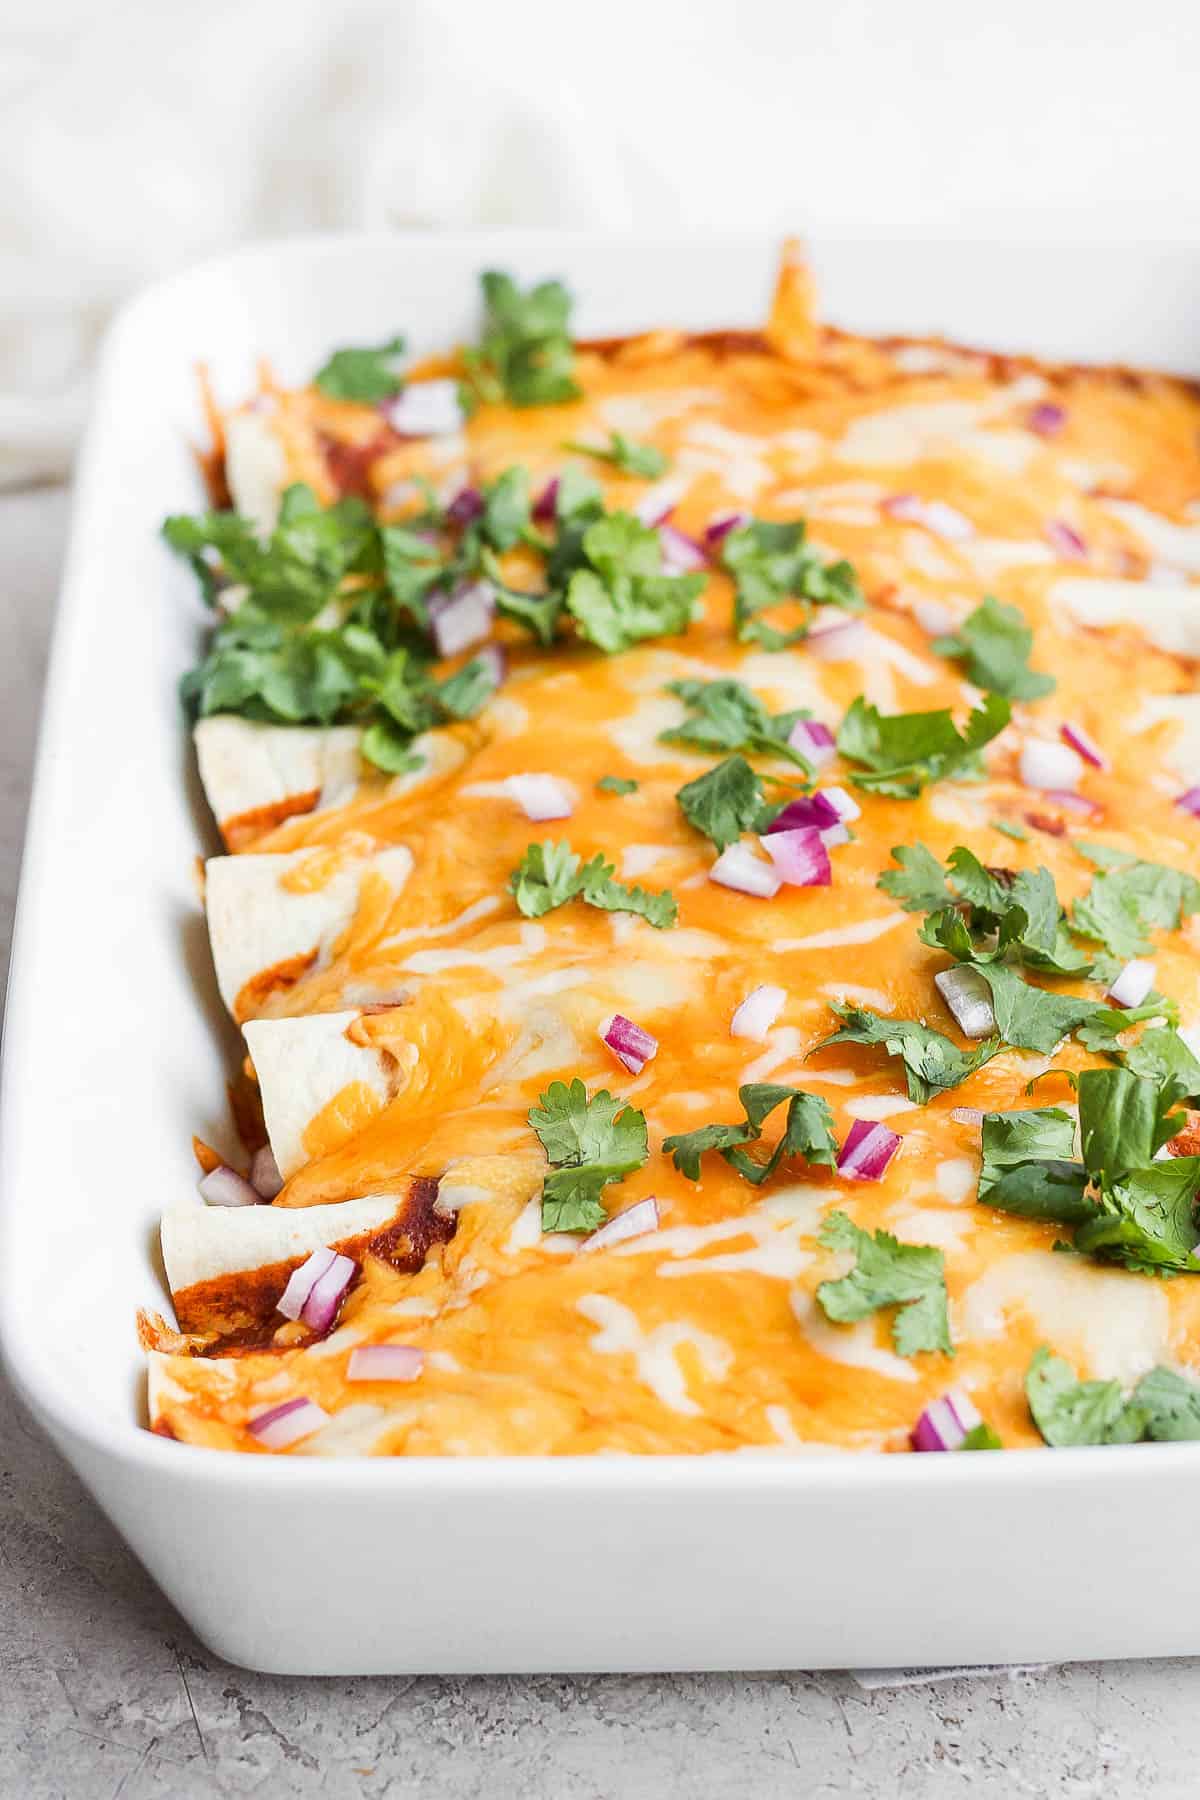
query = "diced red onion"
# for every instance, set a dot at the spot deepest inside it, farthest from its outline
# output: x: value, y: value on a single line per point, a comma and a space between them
x: 325, y: 1295
x: 462, y: 618
x: 629, y: 1043
x: 1133, y: 983
x: 800, y: 856
x: 737, y: 867
x: 425, y: 409
x: 945, y: 1423
x: 969, y: 1115
x: 1086, y: 745
x: 720, y: 528
x: 944, y: 521
x: 756, y: 1014
x: 466, y: 506
x: 281, y: 1426
x: 546, y: 503
x: 635, y: 1221
x: 385, y: 1362
x: 302, y: 1280
x: 1074, y: 803
x: 541, y: 797
x: 1049, y: 766
x: 264, y: 1173
x: 814, y: 741
x: 827, y: 810
x: 934, y: 617
x: 814, y: 809
x: 494, y: 661
x: 1046, y: 418
x: 867, y: 1151
x: 844, y: 804
x: 682, y: 555
x: 845, y: 641
x: 1064, y: 539
x: 223, y: 1186
x: 969, y: 998
x: 1190, y: 801
x: 659, y: 502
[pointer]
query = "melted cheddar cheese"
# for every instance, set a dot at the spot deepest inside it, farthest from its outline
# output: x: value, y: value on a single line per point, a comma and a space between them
x: 453, y: 1013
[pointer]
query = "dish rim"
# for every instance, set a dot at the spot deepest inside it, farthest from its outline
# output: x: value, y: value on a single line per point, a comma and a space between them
x: 741, y: 1471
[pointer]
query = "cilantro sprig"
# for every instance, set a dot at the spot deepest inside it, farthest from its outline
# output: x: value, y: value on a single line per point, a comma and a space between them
x: 807, y: 1134
x: 726, y: 715
x: 1128, y: 899
x: 525, y: 354
x: 932, y: 1062
x: 626, y: 454
x: 994, y: 644
x: 589, y: 1143
x: 550, y: 875
x: 900, y: 753
x: 910, y: 1277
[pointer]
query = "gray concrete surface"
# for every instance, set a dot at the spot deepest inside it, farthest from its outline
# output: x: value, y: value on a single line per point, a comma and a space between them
x: 105, y: 1694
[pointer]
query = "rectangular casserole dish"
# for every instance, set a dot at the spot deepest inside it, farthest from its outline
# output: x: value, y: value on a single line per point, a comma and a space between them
x: 310, y: 1567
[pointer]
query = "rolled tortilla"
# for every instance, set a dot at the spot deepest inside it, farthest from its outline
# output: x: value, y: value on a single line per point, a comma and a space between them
x: 227, y: 1266
x: 255, y: 775
x: 304, y: 1065
x: 266, y: 930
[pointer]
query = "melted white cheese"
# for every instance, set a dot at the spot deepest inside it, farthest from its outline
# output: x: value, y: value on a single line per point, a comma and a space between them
x: 1108, y: 1323
x: 621, y: 1334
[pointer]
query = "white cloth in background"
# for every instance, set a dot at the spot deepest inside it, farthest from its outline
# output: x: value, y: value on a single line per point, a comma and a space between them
x: 138, y: 137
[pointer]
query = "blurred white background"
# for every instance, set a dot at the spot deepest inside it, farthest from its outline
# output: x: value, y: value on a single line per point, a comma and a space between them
x: 137, y: 137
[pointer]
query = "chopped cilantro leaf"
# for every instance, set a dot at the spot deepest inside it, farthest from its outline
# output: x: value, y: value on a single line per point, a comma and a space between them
x: 1164, y: 1406
x: 888, y: 1273
x: 807, y: 1133
x: 617, y: 784
x: 623, y: 596
x: 982, y: 914
x: 1069, y: 1412
x: 1159, y: 1053
x: 994, y: 645
x: 725, y: 715
x: 724, y: 802
x: 1128, y: 899
x: 918, y: 883
x: 932, y: 1063
x: 1125, y: 1206
x: 900, y: 753
x: 1028, y: 1166
x: 632, y: 458
x: 1028, y: 1017
x: 412, y: 567
x: 981, y: 1437
x: 367, y: 376
x: 1010, y: 830
x: 550, y: 874
x: 589, y: 1142
x: 525, y: 354
x: 771, y: 564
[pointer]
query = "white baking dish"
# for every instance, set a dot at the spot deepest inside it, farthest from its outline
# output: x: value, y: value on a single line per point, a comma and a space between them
x: 115, y: 1053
